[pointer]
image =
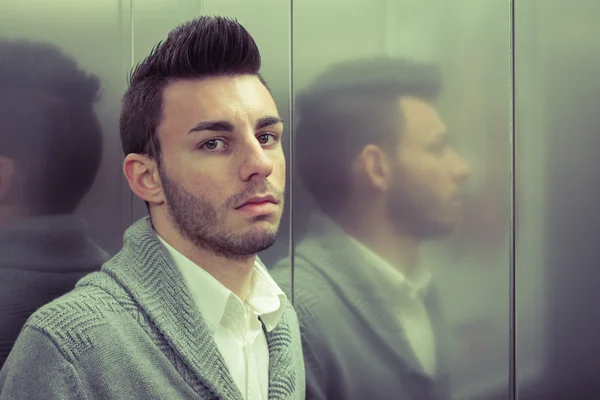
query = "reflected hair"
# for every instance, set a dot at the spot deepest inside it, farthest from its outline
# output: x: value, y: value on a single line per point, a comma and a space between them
x: 349, y: 106
x: 204, y: 47
x: 48, y: 124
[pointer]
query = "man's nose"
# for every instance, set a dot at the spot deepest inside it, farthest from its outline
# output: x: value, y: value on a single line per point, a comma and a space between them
x: 461, y: 168
x: 256, y: 160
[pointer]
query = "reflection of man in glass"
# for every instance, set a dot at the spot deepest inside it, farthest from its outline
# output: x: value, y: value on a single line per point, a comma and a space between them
x: 374, y: 153
x: 50, y: 150
x: 185, y: 310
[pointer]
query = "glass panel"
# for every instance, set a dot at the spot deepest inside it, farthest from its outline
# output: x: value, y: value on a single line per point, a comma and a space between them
x: 96, y: 35
x: 376, y: 210
x: 557, y: 231
x: 52, y: 154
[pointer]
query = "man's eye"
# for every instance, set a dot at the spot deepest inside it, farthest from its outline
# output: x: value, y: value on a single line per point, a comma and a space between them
x: 212, y: 144
x: 267, y: 138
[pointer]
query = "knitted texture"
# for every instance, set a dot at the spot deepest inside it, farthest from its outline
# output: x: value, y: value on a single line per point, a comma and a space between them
x: 133, y: 331
x: 41, y: 258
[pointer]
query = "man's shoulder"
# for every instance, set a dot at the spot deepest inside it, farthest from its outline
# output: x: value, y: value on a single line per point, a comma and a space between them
x: 70, y: 320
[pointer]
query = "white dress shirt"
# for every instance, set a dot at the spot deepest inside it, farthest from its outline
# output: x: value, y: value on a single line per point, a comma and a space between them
x: 406, y: 298
x: 235, y: 325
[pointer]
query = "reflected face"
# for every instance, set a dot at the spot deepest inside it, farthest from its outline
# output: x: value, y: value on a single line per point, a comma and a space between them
x: 222, y: 163
x: 425, y: 197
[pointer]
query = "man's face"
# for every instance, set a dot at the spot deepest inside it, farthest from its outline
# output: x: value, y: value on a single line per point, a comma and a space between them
x: 220, y: 149
x: 424, y: 197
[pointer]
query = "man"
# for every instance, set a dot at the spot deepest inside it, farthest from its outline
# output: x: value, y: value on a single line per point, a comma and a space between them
x: 374, y: 154
x: 185, y: 310
x: 50, y: 151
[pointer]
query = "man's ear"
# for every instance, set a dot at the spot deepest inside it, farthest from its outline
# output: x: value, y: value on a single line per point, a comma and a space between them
x: 142, y: 175
x: 373, y: 167
x: 8, y: 174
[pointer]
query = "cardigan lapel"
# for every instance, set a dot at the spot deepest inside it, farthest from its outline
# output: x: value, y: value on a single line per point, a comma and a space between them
x: 282, y: 377
x: 148, y: 273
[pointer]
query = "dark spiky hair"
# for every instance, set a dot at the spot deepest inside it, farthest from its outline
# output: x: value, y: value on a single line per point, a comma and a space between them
x: 204, y: 47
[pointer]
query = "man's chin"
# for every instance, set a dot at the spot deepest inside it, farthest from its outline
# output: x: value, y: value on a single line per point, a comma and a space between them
x: 260, y: 225
x: 261, y: 242
x: 260, y: 231
x: 267, y: 233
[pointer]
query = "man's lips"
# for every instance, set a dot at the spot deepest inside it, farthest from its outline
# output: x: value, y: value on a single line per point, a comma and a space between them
x: 259, y: 200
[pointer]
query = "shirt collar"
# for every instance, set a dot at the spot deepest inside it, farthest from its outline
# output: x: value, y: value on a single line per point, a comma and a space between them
x: 416, y: 285
x: 266, y: 298
x: 213, y: 299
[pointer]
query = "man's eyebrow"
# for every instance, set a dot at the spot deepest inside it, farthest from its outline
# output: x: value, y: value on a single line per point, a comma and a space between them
x: 219, y: 126
x: 226, y: 126
x: 268, y: 121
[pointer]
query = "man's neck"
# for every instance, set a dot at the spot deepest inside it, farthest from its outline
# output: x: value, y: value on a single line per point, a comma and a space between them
x: 234, y: 274
x: 401, y: 251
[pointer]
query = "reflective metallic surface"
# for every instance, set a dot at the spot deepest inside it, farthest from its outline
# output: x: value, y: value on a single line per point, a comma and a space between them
x: 487, y: 187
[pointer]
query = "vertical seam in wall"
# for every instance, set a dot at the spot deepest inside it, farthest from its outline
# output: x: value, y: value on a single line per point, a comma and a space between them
x: 131, y: 63
x: 512, y: 368
x: 292, y: 245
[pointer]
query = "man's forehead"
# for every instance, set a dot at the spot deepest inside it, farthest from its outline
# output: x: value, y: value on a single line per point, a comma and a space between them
x: 215, y: 104
x: 218, y: 98
x: 421, y: 117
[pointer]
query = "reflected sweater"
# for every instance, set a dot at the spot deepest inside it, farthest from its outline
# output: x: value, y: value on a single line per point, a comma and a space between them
x: 41, y: 259
x: 132, y: 331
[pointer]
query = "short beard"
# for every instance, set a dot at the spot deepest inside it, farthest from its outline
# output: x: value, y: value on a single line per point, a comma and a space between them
x: 413, y: 209
x: 201, y: 223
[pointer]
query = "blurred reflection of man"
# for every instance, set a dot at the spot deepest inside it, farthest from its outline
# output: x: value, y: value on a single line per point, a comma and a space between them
x: 373, y: 152
x: 185, y: 310
x: 50, y: 151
